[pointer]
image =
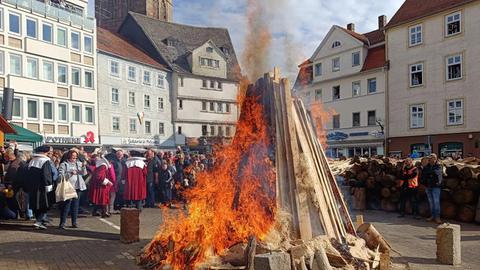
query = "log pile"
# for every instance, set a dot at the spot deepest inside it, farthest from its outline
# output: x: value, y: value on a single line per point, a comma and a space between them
x: 374, y: 185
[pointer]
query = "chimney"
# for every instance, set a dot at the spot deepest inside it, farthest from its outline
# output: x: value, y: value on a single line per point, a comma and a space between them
x: 382, y: 21
x: 351, y: 27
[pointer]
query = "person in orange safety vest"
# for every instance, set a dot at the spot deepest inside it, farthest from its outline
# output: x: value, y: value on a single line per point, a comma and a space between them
x: 408, y: 187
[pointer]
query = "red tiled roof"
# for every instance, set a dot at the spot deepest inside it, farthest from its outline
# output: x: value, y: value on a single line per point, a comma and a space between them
x: 356, y: 35
x: 112, y: 43
x: 416, y: 9
x: 375, y: 58
x: 370, y: 38
x: 306, y: 62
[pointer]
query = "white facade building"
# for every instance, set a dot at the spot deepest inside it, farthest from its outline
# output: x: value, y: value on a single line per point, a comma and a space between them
x: 133, y: 96
x: 346, y: 75
x: 47, y: 55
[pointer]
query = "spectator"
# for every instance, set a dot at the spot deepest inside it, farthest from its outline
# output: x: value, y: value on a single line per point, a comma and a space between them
x: 153, y: 167
x: 73, y: 170
x: 136, y: 186
x: 100, y: 186
x: 13, y: 175
x: 116, y: 199
x: 166, y: 185
x: 432, y: 175
x: 408, y: 187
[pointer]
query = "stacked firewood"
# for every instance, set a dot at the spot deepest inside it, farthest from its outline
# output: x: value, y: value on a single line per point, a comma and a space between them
x: 374, y: 185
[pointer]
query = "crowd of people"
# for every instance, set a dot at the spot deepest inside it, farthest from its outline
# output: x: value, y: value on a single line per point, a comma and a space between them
x: 106, y: 181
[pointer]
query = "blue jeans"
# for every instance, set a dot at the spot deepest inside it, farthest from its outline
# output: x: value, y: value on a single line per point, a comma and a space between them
x: 433, y: 195
x: 150, y: 195
x: 69, y: 206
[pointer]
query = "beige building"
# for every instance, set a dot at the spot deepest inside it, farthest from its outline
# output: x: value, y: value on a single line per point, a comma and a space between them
x: 47, y: 54
x: 433, y: 93
x: 346, y: 74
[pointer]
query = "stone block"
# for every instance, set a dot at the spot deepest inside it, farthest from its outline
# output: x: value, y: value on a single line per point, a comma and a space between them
x: 449, y: 244
x: 129, y: 225
x: 272, y: 261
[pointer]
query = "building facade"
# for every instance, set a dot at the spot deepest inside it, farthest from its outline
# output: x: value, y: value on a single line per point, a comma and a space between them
x: 47, y: 55
x: 432, y: 89
x: 346, y: 76
x: 133, y: 96
x: 204, y: 78
x: 111, y: 13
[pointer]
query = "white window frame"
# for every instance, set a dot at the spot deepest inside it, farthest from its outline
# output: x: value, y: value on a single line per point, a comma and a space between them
x: 447, y: 65
x: 359, y: 119
x: 160, y: 80
x: 36, y: 27
x: 419, y: 68
x: 2, y: 62
x: 415, y: 115
x: 134, y: 99
x: 59, y: 29
x: 72, y: 33
x: 20, y: 103
x: 52, y: 65
x: 118, y: 122
x: 146, y: 98
x: 20, y: 62
x: 19, y: 23
x: 85, y: 79
x: 134, y: 79
x: 2, y: 21
x: 415, y: 31
x: 38, y: 109
x: 149, y: 125
x: 85, y: 37
x: 51, y: 32
x: 134, y: 122
x: 65, y: 67
x: 53, y: 110
x: 145, y: 81
x: 336, y: 44
x: 359, y: 83
x: 79, y: 113
x: 79, y: 76
x: 334, y: 68
x: 116, y: 75
x: 66, y: 111
x: 161, y: 128
x: 33, y: 60
x: 368, y: 86
x: 457, y: 111
x: 447, y: 22
x: 353, y: 59
x: 117, y: 94
x: 161, y: 104
x: 85, y: 109
x: 318, y: 67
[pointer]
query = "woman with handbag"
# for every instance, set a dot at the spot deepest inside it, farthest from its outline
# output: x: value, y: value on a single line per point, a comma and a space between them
x: 73, y: 171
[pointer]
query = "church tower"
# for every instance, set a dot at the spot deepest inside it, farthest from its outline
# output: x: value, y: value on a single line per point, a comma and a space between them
x: 111, y: 13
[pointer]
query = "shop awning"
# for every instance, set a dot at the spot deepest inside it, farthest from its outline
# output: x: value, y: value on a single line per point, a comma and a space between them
x: 23, y: 135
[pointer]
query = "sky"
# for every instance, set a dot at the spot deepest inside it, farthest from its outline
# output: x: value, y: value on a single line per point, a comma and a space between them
x: 296, y: 29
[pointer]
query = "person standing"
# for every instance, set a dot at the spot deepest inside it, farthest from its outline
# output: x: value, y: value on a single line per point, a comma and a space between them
x: 165, y: 178
x: 100, y: 186
x: 73, y: 171
x: 408, y: 187
x: 153, y: 167
x: 136, y: 185
x: 432, y: 175
x: 39, y: 184
x: 14, y: 176
x: 120, y: 169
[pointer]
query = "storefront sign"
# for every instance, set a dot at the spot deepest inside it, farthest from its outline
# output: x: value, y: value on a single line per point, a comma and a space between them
x: 84, y: 139
x: 139, y: 141
x: 337, y: 136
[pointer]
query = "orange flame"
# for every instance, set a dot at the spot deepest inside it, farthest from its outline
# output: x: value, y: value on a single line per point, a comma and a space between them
x: 229, y: 204
x: 321, y: 118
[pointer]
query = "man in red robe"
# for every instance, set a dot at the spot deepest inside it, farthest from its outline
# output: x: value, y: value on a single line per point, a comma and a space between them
x: 100, y: 186
x: 136, y: 184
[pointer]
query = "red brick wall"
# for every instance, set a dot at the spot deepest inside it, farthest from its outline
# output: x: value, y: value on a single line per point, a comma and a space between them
x: 470, y: 146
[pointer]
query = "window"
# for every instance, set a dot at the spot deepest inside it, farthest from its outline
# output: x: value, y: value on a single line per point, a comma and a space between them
x: 204, y: 105
x: 17, y: 107
x: 48, y: 71
x: 76, y: 113
x: 160, y: 104
x: 62, y: 76
x: 227, y: 108
x: 88, y: 44
x: 179, y: 130
x: 209, y: 49
x: 76, y: 76
x: 204, y: 83
x: 131, y: 98
x: 32, y: 109
x: 212, y: 131
x: 1, y: 19
x: 417, y: 116
x: 160, y: 81
x: 48, y: 110
x: 336, y: 121
x: 416, y: 75
x: 181, y: 81
x: 356, y: 89
x: 336, y: 92
x: 355, y: 59
x: 31, y: 28
x: 47, y: 32
x: 415, y: 34
x: 89, y: 117
x: 132, y: 125
x: 212, y: 84
x: 372, y: 118
x: 62, y: 37
x: 318, y: 69
x: 180, y: 104
x: 115, y: 96
x: 455, y: 112
x: 219, y: 107
x: 75, y: 40
x: 161, y: 128
x: 204, y: 130
x: 16, y: 64
x: 146, y: 77
x: 132, y: 74
x: 219, y: 85
x: 2, y: 62
x: 228, y: 131
x: 114, y: 69
x: 88, y: 79
x: 146, y: 101
x: 63, y: 113
x: 336, y: 64
x: 14, y: 23
x: 336, y: 44
x: 220, y: 131
x: 372, y: 85
x: 116, y: 123
x: 356, y: 119
x: 148, y: 127
x: 453, y: 24
x: 209, y: 62
x: 454, y: 67
x: 32, y: 68
x: 212, y: 106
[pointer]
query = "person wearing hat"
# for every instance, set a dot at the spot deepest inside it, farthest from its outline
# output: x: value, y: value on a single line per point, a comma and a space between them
x: 39, y: 184
x: 101, y: 184
x: 136, y: 184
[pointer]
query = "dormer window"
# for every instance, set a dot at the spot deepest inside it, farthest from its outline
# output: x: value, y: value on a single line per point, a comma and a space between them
x: 209, y: 50
x: 225, y: 51
x: 336, y: 44
x: 209, y: 62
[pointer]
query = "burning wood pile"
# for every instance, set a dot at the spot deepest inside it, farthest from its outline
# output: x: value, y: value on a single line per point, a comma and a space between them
x: 374, y: 185
x: 272, y: 201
